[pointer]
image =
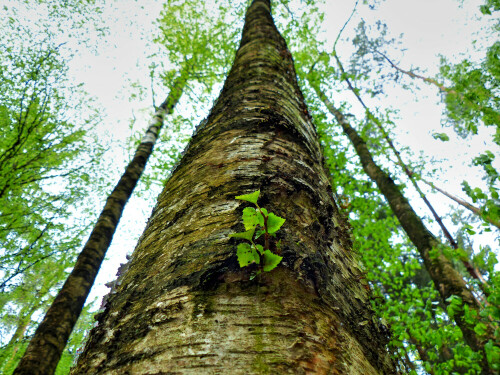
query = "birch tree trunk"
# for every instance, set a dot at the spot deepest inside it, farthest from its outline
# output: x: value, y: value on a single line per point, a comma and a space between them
x: 50, y: 338
x: 184, y: 306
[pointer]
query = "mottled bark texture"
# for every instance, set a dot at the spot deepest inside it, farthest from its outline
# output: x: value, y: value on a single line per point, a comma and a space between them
x: 446, y: 279
x: 46, y: 346
x: 184, y: 306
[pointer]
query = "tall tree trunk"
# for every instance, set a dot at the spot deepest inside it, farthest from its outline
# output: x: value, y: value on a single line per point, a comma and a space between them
x: 185, y: 306
x: 446, y: 279
x: 46, y: 346
x: 401, y: 163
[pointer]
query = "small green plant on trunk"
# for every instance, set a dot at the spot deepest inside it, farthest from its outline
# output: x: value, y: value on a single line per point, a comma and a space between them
x: 258, y: 222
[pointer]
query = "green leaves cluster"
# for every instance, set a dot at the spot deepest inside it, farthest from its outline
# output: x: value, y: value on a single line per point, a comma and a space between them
x: 258, y: 223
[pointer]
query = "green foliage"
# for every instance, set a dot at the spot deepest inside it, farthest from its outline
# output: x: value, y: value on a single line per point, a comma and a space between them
x: 252, y: 197
x: 441, y: 136
x: 44, y: 158
x: 201, y: 51
x: 489, y: 7
x: 48, y: 164
x: 493, y: 355
x: 472, y: 95
x: 258, y: 222
x: 22, y: 308
x: 205, y: 45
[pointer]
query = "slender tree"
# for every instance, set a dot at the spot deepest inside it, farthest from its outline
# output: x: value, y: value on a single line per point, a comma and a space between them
x: 473, y: 272
x: 47, y: 345
x: 184, y: 304
x: 447, y: 280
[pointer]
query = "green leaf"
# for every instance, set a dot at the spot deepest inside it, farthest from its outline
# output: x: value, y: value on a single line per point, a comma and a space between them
x: 260, y: 216
x: 247, y: 235
x: 274, y: 223
x: 485, y: 10
x: 259, y: 233
x: 469, y: 229
x: 245, y: 254
x: 270, y: 260
x: 481, y: 329
x: 252, y: 197
x: 250, y: 218
x: 260, y: 249
x: 492, y: 353
x: 441, y: 136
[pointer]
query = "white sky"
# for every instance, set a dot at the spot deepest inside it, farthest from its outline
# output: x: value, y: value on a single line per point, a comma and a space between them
x: 430, y: 27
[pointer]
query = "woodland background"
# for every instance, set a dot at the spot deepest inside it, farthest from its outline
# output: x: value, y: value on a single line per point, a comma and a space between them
x: 62, y: 150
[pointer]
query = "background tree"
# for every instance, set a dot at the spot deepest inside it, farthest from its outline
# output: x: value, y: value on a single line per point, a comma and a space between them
x: 48, y: 163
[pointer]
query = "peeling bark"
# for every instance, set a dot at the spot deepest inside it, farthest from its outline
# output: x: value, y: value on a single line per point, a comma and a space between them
x: 46, y: 346
x: 446, y: 279
x: 184, y: 306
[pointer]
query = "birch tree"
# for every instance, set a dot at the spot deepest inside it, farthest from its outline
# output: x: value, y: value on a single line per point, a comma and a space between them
x: 184, y: 303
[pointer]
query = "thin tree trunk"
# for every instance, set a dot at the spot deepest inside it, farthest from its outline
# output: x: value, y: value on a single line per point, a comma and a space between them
x: 446, y: 279
x: 47, y: 345
x: 185, y: 306
x: 14, y: 344
x: 401, y: 163
x: 467, y: 264
x: 475, y: 210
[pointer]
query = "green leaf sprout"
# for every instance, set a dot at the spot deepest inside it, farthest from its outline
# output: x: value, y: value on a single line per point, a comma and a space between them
x: 258, y: 222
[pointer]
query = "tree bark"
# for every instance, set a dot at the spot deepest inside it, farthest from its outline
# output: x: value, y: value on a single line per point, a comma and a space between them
x: 46, y: 346
x: 446, y: 279
x: 184, y: 306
